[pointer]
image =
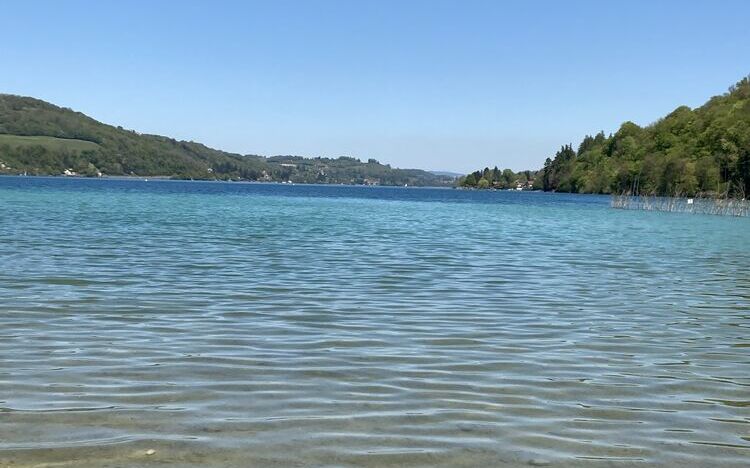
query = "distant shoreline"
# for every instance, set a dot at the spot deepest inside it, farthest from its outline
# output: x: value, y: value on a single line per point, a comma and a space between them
x: 162, y: 178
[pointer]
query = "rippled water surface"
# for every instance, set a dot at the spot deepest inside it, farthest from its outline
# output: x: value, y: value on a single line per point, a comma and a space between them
x: 224, y: 324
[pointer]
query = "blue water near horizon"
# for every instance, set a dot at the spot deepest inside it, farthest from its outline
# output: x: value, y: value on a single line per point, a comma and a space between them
x: 235, y: 324
x: 424, y: 194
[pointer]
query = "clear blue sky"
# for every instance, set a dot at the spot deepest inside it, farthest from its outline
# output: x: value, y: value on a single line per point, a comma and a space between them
x: 431, y: 84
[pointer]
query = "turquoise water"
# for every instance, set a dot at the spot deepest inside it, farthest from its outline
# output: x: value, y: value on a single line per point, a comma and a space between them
x: 224, y: 324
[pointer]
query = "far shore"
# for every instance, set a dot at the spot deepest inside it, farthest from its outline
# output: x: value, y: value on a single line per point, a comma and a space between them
x: 163, y: 178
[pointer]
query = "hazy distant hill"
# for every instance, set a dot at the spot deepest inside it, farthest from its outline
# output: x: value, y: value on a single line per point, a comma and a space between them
x: 454, y: 175
x: 40, y: 138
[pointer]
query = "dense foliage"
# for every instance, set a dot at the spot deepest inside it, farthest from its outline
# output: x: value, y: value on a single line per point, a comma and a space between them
x: 705, y: 151
x: 499, y: 179
x: 42, y: 139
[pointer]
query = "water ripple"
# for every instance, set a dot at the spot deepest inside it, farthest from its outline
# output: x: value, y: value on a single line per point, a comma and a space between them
x: 242, y: 324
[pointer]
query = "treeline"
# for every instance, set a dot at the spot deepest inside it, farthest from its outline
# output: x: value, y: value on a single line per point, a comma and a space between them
x: 705, y: 152
x: 43, y: 139
x: 499, y: 179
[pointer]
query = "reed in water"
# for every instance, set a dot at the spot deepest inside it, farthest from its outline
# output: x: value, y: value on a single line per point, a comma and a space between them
x: 698, y: 205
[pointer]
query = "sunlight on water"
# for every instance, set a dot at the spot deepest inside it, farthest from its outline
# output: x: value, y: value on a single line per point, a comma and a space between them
x: 245, y: 324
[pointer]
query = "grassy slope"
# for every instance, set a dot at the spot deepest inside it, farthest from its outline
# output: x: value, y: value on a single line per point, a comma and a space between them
x: 48, y: 142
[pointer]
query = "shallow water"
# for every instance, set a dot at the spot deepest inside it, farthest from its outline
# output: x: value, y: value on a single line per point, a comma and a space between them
x: 224, y: 324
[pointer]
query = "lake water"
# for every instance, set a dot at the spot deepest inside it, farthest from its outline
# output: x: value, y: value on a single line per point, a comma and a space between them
x: 234, y: 324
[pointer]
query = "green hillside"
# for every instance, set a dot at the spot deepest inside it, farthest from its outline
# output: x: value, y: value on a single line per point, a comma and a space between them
x: 52, y: 143
x: 43, y: 139
x: 703, y: 151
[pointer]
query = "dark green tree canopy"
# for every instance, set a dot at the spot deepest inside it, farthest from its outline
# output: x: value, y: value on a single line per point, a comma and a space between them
x: 703, y: 151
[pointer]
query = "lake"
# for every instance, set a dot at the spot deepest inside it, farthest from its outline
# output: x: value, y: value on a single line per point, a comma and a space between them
x: 237, y: 324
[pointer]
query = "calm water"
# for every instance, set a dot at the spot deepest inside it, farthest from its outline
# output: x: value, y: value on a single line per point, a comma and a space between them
x: 225, y: 324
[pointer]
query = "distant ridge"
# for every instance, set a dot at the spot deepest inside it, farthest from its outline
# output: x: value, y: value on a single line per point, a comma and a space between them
x: 39, y: 138
x: 446, y: 174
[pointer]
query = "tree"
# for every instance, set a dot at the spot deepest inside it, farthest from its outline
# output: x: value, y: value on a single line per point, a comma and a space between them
x: 470, y: 181
x: 508, y: 178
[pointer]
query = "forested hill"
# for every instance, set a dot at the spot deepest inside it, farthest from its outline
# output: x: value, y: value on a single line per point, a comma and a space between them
x: 43, y: 139
x: 702, y: 151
